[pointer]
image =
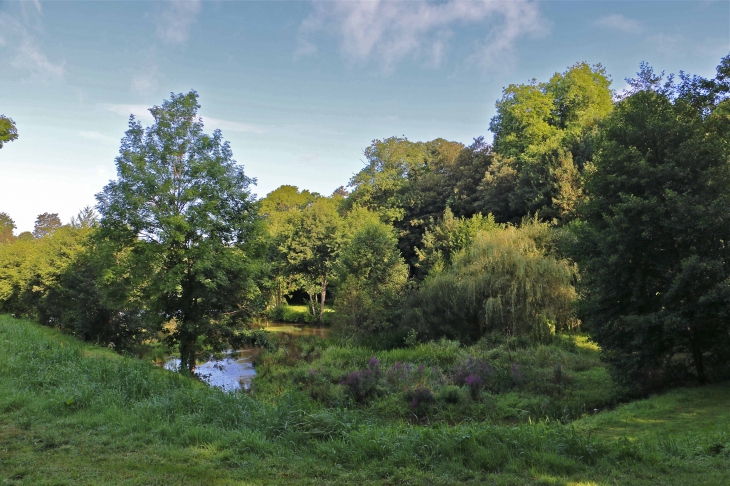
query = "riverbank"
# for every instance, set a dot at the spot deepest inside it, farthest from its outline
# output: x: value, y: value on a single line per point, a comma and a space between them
x: 76, y: 413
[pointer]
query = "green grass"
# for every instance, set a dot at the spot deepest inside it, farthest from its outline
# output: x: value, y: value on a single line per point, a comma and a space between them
x: 71, y: 413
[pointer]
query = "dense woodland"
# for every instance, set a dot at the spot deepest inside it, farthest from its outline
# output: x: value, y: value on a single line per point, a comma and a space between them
x: 591, y: 210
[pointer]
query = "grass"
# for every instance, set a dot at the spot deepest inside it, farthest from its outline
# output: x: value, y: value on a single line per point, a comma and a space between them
x: 75, y: 413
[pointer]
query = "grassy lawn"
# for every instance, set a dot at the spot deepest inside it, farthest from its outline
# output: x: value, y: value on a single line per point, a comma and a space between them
x: 72, y: 413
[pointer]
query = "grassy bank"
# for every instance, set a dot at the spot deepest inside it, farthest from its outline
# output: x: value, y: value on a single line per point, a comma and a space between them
x: 75, y: 413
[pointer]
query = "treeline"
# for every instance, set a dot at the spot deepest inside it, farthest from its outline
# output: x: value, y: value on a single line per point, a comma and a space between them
x: 590, y: 208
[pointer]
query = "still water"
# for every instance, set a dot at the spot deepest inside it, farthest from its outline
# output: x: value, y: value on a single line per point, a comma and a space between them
x: 235, y: 370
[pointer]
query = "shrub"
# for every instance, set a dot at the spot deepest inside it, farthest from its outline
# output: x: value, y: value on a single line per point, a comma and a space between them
x: 362, y: 384
x: 421, y: 396
x: 450, y: 394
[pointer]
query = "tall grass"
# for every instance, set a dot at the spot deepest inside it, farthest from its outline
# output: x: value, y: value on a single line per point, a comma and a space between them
x: 71, y: 412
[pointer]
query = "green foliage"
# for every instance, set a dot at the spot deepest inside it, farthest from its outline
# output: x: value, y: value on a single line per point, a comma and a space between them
x: 445, y: 238
x: 8, y: 130
x: 46, y: 224
x: 543, y: 139
x: 505, y: 281
x: 404, y: 183
x: 312, y: 243
x: 372, y: 278
x: 7, y: 226
x: 30, y: 268
x: 280, y: 209
x: 94, y: 300
x: 652, y: 238
x: 182, y: 212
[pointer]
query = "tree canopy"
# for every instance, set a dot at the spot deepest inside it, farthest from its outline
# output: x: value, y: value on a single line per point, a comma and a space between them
x: 652, y: 237
x: 8, y: 130
x: 182, y: 209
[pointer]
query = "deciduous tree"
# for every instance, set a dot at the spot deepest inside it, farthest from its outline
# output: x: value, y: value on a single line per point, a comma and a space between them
x: 181, y: 208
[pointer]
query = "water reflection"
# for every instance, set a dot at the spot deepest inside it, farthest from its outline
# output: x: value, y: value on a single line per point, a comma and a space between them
x: 298, y: 331
x: 233, y: 372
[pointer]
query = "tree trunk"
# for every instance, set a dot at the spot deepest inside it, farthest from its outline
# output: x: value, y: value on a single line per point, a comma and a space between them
x: 187, y: 356
x: 322, y: 297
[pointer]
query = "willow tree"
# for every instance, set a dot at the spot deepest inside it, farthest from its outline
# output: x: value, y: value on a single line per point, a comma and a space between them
x: 182, y: 214
x: 505, y: 281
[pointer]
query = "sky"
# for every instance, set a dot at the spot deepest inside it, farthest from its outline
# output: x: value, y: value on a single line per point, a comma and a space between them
x: 300, y: 88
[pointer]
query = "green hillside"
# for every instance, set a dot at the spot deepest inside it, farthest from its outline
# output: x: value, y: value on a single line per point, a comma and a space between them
x: 72, y: 413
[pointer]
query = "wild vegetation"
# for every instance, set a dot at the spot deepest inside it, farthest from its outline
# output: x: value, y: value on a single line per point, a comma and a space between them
x: 73, y: 412
x: 492, y: 307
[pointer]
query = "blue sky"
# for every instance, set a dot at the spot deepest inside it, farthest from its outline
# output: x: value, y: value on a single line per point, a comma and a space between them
x: 300, y: 88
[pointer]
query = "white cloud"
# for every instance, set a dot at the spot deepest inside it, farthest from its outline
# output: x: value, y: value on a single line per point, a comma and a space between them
x: 145, y: 82
x: 307, y: 158
x: 619, y: 22
x: 391, y: 31
x: 142, y: 112
x: 21, y: 33
x: 98, y: 136
x: 175, y: 20
x: 231, y: 126
x: 139, y: 111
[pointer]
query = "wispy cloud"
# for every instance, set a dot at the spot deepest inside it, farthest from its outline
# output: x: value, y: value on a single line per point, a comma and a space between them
x: 144, y: 82
x: 176, y: 19
x: 142, y: 112
x: 98, y: 136
x: 231, y: 126
x: 390, y: 31
x: 307, y: 158
x: 21, y: 33
x: 139, y: 111
x: 620, y: 23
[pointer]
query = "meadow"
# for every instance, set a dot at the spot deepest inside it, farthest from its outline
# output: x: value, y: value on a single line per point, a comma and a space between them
x: 75, y: 413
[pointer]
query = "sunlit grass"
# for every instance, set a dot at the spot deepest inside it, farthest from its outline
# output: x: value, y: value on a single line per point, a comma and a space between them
x: 71, y: 413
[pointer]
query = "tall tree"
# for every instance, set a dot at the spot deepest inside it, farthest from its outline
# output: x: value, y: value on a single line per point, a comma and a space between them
x: 7, y: 226
x: 406, y: 183
x: 46, y: 224
x: 372, y: 275
x: 8, y: 131
x: 182, y: 210
x: 652, y: 239
x: 280, y: 209
x: 543, y: 138
x: 312, y: 246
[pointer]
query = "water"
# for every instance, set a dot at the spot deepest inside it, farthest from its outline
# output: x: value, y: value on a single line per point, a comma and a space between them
x: 233, y: 372
x: 296, y: 330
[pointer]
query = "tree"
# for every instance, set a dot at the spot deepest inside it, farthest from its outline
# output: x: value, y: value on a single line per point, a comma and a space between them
x: 372, y: 276
x: 447, y: 236
x: 8, y: 131
x: 182, y: 213
x: 86, y: 218
x: 315, y: 237
x: 280, y: 208
x: 7, y: 226
x: 543, y: 138
x: 506, y: 281
x: 406, y: 183
x: 46, y: 224
x: 652, y: 238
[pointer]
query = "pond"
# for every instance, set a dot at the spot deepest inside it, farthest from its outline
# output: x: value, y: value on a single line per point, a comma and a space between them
x: 295, y: 330
x: 234, y: 371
